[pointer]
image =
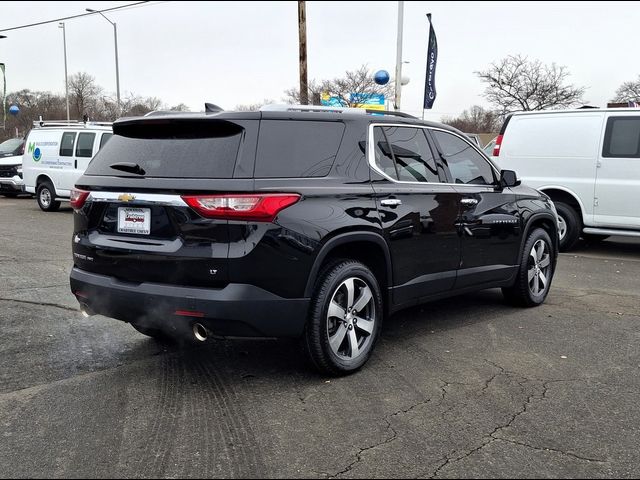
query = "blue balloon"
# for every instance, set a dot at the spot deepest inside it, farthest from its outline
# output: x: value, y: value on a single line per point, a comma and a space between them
x: 381, y: 77
x: 14, y: 110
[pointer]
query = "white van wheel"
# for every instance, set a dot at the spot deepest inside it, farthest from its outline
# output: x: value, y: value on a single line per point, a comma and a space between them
x: 46, y: 195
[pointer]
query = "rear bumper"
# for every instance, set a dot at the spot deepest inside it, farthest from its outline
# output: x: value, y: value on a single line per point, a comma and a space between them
x: 237, y: 310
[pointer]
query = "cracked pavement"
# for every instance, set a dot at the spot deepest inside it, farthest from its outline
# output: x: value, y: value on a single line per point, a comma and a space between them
x: 468, y: 387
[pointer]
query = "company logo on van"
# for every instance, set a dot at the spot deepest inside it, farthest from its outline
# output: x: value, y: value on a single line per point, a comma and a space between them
x: 35, y: 152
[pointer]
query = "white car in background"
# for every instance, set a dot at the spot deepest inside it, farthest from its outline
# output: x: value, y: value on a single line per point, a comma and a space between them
x: 11, y: 184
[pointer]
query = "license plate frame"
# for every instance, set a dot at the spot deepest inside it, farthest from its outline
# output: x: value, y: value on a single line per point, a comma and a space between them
x: 134, y: 220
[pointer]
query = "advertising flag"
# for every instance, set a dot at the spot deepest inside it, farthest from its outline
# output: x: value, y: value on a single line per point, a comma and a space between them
x: 432, y: 59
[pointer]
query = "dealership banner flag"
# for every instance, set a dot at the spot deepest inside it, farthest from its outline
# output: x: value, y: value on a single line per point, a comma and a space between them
x: 432, y: 59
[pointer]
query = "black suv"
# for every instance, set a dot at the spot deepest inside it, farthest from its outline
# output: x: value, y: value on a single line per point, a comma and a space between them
x: 294, y: 223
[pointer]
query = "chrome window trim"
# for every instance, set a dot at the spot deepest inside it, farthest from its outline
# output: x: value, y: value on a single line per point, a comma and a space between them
x: 371, y: 155
x: 140, y: 198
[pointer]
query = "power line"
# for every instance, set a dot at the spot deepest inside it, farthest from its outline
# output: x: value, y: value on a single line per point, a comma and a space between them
x: 73, y: 16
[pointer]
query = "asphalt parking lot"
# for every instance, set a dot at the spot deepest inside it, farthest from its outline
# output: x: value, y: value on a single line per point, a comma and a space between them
x: 468, y: 387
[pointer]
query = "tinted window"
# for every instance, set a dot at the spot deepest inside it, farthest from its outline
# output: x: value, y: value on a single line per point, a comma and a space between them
x: 465, y: 163
x: 383, y: 156
x: 84, y: 148
x: 184, y: 150
x: 66, y: 145
x: 297, y: 148
x: 622, y: 137
x: 105, y: 137
x: 411, y: 152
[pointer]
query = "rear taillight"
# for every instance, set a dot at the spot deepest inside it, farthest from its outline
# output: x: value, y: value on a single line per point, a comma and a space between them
x: 496, y: 148
x: 78, y: 197
x: 252, y: 207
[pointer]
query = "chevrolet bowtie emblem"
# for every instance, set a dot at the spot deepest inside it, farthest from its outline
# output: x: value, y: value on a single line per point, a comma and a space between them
x: 126, y: 197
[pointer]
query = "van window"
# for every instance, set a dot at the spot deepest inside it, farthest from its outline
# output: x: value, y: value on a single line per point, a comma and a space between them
x: 66, y: 145
x: 84, y: 148
x: 622, y: 137
x: 297, y: 149
x: 105, y: 137
x: 465, y: 163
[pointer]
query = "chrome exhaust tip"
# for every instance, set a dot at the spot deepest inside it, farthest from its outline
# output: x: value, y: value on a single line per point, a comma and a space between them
x: 200, y: 332
x: 86, y: 311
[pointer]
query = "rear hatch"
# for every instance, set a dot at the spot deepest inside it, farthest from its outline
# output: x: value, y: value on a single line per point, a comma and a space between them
x: 133, y: 219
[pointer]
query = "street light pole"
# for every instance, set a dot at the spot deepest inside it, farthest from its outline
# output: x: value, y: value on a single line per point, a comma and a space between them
x: 115, y: 38
x: 66, y: 77
x: 398, y: 82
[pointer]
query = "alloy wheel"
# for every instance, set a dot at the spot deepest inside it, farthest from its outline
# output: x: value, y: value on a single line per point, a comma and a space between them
x: 351, y: 318
x: 538, y: 273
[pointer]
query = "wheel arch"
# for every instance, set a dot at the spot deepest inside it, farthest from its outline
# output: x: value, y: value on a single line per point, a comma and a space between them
x: 547, y: 222
x: 369, y: 248
x: 42, y: 178
x: 566, y: 195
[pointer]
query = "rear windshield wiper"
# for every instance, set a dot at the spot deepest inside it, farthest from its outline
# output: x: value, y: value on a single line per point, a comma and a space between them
x: 128, y: 167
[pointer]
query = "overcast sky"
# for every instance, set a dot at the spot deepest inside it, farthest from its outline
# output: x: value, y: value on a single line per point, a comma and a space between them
x: 233, y: 53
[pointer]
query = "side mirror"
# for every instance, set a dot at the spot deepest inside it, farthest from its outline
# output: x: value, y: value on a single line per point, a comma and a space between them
x: 509, y: 178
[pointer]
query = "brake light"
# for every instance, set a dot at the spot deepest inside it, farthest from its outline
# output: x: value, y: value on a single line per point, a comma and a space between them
x: 252, y: 207
x: 78, y: 197
x: 496, y: 148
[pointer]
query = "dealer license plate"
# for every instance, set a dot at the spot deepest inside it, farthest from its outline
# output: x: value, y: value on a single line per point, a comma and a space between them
x: 134, y: 220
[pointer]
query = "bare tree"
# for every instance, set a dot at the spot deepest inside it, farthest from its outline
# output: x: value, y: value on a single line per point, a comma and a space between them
x: 516, y: 83
x: 358, y: 82
x: 181, y: 107
x: 253, y: 107
x: 628, y: 92
x: 84, y: 94
x: 476, y: 120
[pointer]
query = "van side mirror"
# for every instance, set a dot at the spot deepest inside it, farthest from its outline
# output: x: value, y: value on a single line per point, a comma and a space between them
x: 509, y: 178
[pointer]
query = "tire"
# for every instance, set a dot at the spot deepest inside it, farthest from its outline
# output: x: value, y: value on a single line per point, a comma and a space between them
x: 154, y: 333
x: 570, y: 226
x: 329, y: 339
x: 534, y: 272
x: 45, y: 195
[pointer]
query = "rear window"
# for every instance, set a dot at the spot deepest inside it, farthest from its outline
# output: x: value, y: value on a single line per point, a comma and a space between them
x: 622, y: 137
x: 297, y: 148
x: 168, y: 150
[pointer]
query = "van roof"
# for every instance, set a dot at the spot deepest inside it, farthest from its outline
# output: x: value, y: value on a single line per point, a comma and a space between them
x: 578, y: 110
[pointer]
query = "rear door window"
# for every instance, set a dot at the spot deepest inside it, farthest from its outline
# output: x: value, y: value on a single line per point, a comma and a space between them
x: 172, y: 150
x: 412, y: 154
x: 622, y: 137
x: 66, y: 145
x: 84, y: 148
x: 297, y: 148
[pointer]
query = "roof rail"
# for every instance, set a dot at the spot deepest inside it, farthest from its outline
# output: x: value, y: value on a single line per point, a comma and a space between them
x: 276, y: 107
x: 68, y: 123
x: 395, y: 113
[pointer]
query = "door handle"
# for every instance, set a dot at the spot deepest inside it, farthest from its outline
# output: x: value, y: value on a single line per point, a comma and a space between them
x: 391, y: 202
x: 469, y: 201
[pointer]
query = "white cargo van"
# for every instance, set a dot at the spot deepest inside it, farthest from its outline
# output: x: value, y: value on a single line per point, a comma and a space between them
x: 587, y: 161
x: 56, y: 154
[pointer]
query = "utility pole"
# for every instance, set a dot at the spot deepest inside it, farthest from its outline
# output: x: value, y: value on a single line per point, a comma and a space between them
x: 66, y: 77
x: 115, y: 41
x: 302, y: 35
x: 398, y: 81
